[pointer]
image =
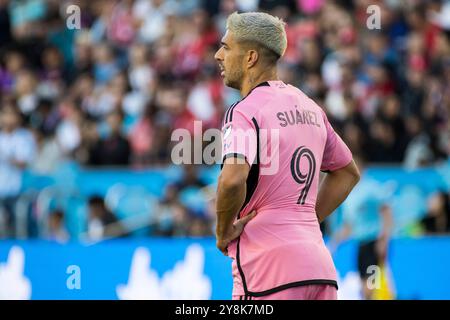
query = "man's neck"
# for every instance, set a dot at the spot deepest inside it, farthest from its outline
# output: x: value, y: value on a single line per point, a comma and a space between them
x: 251, y: 82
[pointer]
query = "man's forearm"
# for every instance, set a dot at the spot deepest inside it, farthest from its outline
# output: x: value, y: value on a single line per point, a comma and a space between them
x: 230, y: 199
x: 387, y: 222
x: 333, y: 191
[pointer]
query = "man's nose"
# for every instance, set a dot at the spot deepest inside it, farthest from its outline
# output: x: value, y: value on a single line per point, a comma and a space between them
x: 217, y: 55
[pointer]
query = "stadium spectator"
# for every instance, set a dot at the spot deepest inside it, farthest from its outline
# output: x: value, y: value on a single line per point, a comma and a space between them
x: 142, y: 138
x: 190, y: 178
x: 57, y: 230
x: 102, y: 223
x: 48, y: 153
x: 68, y: 132
x: 172, y: 217
x: 437, y: 218
x: 113, y: 149
x: 176, y: 218
x: 17, y: 151
x: 199, y: 227
x: 387, y: 92
x: 27, y: 18
x: 13, y: 63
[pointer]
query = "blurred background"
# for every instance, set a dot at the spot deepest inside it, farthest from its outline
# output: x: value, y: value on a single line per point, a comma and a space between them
x: 86, y: 117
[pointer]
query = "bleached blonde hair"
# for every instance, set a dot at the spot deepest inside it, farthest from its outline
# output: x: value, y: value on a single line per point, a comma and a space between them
x: 261, y: 28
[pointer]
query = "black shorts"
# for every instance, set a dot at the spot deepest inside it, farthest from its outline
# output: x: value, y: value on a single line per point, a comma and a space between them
x: 367, y: 256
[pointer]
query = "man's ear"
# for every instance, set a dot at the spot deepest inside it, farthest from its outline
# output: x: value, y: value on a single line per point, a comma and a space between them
x: 252, y: 58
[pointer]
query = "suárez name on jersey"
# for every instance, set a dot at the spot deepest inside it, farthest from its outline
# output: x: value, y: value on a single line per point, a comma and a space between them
x: 294, y: 117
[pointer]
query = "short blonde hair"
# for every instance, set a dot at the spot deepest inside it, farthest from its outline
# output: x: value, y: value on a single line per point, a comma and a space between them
x: 259, y: 27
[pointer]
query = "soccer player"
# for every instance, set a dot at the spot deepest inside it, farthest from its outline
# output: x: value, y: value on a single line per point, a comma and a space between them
x: 275, y: 143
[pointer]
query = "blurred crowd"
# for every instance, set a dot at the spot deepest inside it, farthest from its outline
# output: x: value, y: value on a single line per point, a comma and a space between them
x: 111, y: 92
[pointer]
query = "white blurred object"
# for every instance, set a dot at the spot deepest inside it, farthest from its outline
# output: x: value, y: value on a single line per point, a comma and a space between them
x: 134, y: 103
x: 331, y: 71
x: 140, y: 78
x: 13, y: 284
x: 443, y: 17
x: 185, y: 281
x: 200, y: 102
x: 336, y: 104
x: 95, y: 229
x: 349, y: 287
x: 247, y: 5
x: 153, y: 19
x: 27, y: 103
x: 143, y: 282
x: 68, y: 136
x: 418, y: 152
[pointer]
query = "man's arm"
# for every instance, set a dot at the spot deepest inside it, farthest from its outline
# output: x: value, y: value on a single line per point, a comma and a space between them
x: 335, y: 188
x: 385, y: 233
x: 231, y: 191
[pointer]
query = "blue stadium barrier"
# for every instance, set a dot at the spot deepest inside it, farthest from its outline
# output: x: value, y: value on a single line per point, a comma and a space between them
x: 190, y: 269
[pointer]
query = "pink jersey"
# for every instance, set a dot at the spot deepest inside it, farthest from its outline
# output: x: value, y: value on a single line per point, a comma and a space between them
x: 287, y: 140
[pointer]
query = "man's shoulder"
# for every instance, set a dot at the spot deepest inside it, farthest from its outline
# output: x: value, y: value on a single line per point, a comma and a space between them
x: 244, y: 108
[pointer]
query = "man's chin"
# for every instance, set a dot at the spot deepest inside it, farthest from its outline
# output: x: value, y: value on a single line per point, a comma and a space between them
x: 230, y: 84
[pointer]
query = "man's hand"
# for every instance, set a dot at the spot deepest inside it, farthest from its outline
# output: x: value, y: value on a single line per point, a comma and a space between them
x: 235, y: 232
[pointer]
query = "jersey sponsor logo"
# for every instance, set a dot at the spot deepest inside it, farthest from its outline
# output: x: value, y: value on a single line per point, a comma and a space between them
x: 227, y: 131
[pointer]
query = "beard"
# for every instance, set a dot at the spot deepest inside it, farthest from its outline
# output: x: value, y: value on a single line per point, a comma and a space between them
x: 234, y: 79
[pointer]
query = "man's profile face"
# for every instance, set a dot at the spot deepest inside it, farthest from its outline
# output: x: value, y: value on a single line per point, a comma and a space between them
x: 230, y: 58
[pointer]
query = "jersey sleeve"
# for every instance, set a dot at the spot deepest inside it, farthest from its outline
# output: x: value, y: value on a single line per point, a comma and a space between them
x: 239, y: 137
x: 336, y: 154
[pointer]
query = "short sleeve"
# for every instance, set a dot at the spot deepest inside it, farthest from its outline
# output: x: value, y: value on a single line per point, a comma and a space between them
x: 336, y: 154
x: 239, y: 138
